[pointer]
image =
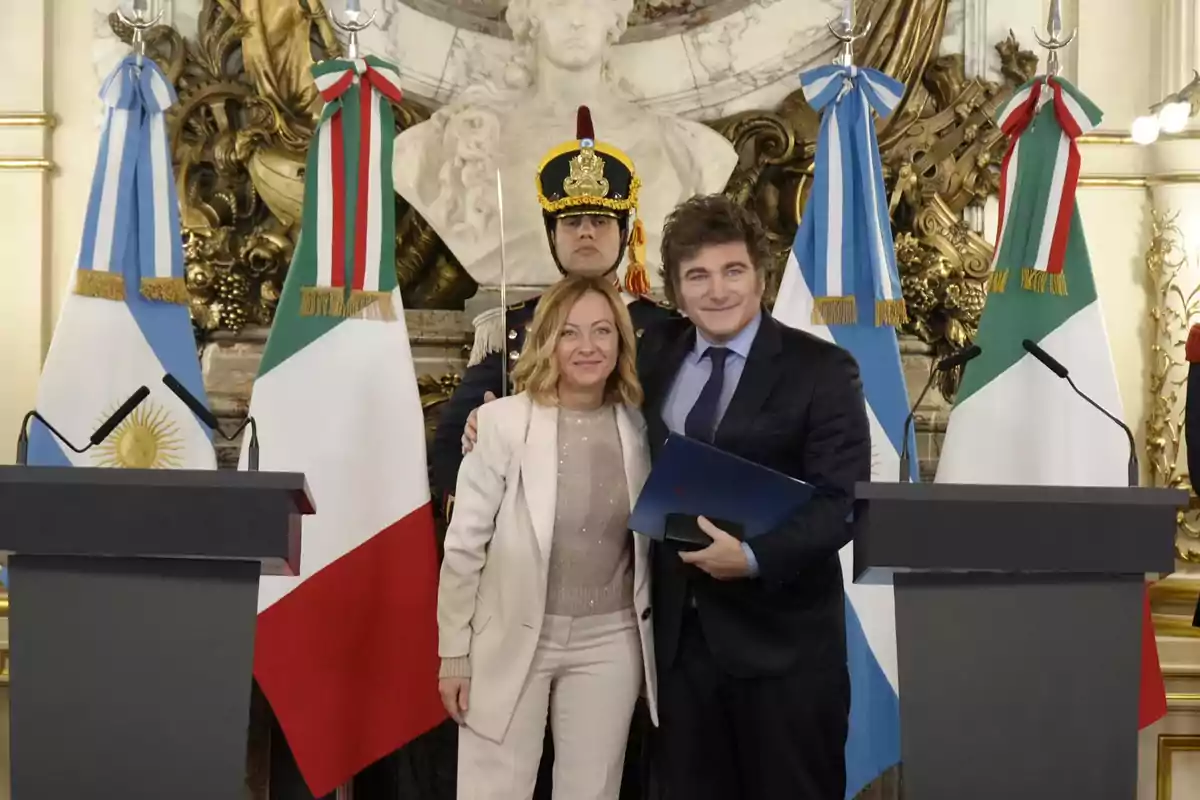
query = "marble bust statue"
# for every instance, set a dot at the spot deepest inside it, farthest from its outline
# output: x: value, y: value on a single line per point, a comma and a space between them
x: 446, y: 167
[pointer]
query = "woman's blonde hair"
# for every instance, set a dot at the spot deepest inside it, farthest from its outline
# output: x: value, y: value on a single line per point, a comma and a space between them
x: 537, y: 369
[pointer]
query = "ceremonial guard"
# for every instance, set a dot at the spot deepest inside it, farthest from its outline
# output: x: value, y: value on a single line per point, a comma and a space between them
x: 579, y: 179
x: 584, y: 187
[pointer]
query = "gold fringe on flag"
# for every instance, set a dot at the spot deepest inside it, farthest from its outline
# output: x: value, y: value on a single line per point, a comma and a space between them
x: 105, y: 285
x: 371, y: 305
x: 322, y: 301
x: 834, y: 311
x: 1036, y: 280
x: 166, y: 290
x: 890, y: 312
x: 997, y: 281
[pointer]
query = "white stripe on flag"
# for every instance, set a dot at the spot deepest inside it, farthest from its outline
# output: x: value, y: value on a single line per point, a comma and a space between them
x: 816, y: 87
x: 833, y: 218
x: 160, y: 90
x: 890, y: 98
x: 106, y: 223
x: 375, y: 199
x: 324, y: 81
x: 875, y: 604
x: 1013, y: 104
x: 882, y: 277
x: 1076, y: 111
x: 1050, y: 216
x: 160, y: 164
x: 325, y: 205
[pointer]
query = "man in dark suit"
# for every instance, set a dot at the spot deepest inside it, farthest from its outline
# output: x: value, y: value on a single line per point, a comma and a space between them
x: 754, y: 691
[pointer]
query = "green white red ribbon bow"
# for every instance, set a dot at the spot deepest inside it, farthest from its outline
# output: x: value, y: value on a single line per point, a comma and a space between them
x: 349, y: 208
x: 1038, y: 179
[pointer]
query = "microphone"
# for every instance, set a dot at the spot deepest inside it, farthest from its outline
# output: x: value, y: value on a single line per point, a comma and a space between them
x: 102, y: 433
x: 1058, y: 369
x: 206, y: 416
x: 945, y: 365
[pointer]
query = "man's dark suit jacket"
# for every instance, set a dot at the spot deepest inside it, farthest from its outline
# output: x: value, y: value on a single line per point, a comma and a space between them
x: 799, y: 409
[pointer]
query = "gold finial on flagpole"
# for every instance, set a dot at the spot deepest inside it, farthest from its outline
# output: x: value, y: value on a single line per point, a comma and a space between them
x: 140, y: 23
x: 843, y: 30
x: 1055, y: 42
x: 353, y: 24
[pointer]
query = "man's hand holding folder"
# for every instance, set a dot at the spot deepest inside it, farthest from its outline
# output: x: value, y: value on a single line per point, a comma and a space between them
x: 692, y: 484
x: 723, y: 559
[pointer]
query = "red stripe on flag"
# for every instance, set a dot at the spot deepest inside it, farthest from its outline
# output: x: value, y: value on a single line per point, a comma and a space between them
x: 1066, y: 207
x: 1014, y: 126
x: 338, y: 243
x: 362, y: 212
x: 335, y: 90
x: 1152, y: 703
x: 348, y: 660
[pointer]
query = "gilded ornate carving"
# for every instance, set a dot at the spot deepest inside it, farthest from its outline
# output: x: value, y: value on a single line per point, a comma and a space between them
x: 1176, y: 305
x: 247, y: 109
x: 941, y: 151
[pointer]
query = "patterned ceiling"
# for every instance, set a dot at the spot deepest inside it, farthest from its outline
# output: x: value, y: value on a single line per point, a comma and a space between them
x: 649, y: 20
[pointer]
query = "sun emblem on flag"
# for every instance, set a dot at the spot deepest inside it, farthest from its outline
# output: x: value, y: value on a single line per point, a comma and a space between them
x: 147, y: 439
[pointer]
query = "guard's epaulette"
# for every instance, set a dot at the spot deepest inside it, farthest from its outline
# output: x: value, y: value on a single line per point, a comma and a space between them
x: 490, y: 333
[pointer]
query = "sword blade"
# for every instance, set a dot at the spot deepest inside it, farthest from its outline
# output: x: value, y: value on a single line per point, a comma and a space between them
x: 503, y: 287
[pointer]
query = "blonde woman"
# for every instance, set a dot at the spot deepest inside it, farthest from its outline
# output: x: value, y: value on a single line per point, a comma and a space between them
x: 543, y: 606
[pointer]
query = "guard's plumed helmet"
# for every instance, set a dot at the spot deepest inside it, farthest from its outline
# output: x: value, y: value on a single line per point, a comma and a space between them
x: 585, y: 176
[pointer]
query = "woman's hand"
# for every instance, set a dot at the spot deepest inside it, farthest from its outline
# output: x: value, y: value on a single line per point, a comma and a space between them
x: 454, y: 692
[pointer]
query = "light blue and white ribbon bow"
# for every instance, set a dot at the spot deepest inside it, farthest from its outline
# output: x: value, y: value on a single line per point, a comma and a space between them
x: 844, y: 245
x: 132, y: 226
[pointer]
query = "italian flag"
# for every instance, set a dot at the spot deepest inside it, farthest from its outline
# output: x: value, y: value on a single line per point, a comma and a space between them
x: 346, y: 652
x: 1014, y: 421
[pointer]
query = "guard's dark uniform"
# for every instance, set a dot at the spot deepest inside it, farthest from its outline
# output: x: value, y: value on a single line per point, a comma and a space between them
x: 577, y: 178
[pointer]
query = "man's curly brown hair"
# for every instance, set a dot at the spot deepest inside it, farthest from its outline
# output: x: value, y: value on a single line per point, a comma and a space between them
x: 706, y: 220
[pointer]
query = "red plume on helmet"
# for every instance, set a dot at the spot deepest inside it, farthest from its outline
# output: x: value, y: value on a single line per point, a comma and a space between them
x: 583, y: 124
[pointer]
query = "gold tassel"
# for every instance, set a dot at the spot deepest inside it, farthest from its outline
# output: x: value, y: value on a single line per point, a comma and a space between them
x: 105, y: 285
x: 835, y: 311
x: 166, y: 290
x: 637, y: 282
x: 1036, y: 280
x: 890, y: 312
x: 997, y: 281
x: 322, y: 301
x: 371, y: 305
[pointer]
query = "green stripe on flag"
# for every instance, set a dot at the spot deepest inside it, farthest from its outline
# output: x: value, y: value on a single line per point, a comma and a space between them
x: 291, y: 332
x: 1014, y: 315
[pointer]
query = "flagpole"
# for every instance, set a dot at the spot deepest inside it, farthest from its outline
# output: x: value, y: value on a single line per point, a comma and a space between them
x: 1054, y: 42
x: 346, y: 791
x: 140, y: 25
x: 843, y: 31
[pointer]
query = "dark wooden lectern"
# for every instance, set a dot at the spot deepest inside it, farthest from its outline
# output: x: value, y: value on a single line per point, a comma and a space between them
x: 1019, y: 631
x: 134, y: 601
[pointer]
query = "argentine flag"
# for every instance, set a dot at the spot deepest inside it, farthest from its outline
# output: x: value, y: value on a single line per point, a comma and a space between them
x: 843, y: 252
x: 125, y: 322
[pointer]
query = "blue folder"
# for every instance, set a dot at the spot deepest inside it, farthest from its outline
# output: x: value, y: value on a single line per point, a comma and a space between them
x: 692, y: 477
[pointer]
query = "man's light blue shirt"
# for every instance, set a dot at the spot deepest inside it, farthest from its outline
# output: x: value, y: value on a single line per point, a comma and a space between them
x: 694, y: 373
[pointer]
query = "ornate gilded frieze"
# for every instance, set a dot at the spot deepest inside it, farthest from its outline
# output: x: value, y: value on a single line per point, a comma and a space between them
x: 248, y: 108
x: 1174, y: 306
